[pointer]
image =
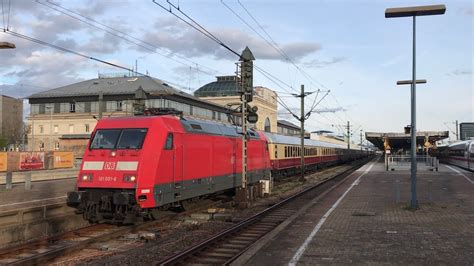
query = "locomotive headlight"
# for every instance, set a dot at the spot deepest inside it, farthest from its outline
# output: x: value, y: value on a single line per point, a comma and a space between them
x: 129, y: 178
x: 113, y: 153
x: 86, y: 178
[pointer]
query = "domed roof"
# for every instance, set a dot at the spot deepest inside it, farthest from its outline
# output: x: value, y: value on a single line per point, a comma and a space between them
x: 224, y: 86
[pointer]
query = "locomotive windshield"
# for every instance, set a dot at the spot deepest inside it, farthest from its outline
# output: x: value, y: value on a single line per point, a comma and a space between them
x: 118, y: 138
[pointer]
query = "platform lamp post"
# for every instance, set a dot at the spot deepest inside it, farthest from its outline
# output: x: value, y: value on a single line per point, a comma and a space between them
x: 414, y: 12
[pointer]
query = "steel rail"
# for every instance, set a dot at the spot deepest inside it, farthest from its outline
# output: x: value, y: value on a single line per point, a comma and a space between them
x: 182, y: 256
x: 59, y: 249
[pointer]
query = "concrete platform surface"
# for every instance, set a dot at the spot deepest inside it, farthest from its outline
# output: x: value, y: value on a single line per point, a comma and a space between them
x: 371, y: 223
x: 40, y: 175
x: 41, y: 193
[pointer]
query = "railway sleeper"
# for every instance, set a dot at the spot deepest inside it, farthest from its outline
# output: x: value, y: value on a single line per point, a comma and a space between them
x: 218, y: 255
x: 226, y: 250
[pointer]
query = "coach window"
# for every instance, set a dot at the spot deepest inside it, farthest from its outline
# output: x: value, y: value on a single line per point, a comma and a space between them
x: 169, y: 142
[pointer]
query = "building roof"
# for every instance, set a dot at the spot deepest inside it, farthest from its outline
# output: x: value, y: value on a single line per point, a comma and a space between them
x: 282, y: 139
x: 118, y: 86
x: 287, y: 124
x: 322, y: 132
x: 110, y: 86
x: 223, y: 86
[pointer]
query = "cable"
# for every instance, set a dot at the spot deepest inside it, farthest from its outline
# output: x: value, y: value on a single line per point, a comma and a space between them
x: 197, y: 26
x: 273, y: 44
x: 8, y: 17
x: 31, y: 39
x: 113, y: 31
x: 3, y: 16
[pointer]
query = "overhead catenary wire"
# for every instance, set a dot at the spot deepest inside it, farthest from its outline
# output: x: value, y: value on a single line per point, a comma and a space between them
x: 8, y: 17
x: 3, y: 16
x: 270, y: 41
x: 31, y: 39
x: 195, y: 25
x: 275, y: 46
x: 125, y: 36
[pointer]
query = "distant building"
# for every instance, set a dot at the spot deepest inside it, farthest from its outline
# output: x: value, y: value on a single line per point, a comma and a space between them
x: 11, y: 119
x: 466, y: 131
x: 288, y: 128
x: 63, y: 118
x: 224, y: 91
x: 329, y: 136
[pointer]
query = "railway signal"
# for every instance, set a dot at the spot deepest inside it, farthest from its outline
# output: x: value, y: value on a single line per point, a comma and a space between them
x: 246, y: 78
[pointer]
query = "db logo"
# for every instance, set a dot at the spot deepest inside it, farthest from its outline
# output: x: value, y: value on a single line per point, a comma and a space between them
x: 109, y: 165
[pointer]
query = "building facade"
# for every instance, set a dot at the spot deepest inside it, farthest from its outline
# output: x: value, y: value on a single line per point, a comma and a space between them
x: 288, y: 128
x: 466, y: 131
x: 63, y: 118
x: 224, y: 91
x: 11, y: 119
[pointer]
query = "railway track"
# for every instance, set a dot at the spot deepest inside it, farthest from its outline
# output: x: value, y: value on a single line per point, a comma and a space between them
x: 227, y: 246
x: 44, y: 250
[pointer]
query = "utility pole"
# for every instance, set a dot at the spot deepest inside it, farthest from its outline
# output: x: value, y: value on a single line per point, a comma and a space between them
x: 32, y: 132
x: 50, y: 126
x: 348, y: 135
x: 302, y: 119
x: 457, y: 130
x: 361, y: 140
x: 101, y: 102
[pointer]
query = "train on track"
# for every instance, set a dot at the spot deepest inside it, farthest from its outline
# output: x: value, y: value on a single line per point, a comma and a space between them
x: 134, y: 166
x: 460, y: 154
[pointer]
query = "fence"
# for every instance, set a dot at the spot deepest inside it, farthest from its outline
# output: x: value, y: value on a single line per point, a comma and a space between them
x: 403, y: 162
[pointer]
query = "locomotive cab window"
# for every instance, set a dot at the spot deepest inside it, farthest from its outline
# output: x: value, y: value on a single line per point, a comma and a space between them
x: 169, y: 142
x: 105, y: 139
x: 131, y: 139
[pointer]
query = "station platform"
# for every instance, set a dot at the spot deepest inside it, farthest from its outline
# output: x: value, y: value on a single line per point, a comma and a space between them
x: 366, y: 220
x: 41, y: 193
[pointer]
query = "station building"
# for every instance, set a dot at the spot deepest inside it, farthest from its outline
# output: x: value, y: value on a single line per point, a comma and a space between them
x: 225, y: 91
x: 11, y: 119
x: 63, y: 118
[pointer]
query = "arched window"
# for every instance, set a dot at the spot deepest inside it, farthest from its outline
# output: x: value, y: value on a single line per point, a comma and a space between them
x: 267, y: 125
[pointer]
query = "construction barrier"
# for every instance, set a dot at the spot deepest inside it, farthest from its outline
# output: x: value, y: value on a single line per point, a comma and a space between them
x: 3, y: 161
x: 63, y: 159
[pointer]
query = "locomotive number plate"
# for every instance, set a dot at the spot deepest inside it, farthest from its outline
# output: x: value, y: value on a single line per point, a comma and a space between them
x: 107, y: 178
x: 109, y: 165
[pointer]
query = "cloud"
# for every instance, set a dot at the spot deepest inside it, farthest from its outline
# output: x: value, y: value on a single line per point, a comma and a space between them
x: 47, y: 69
x: 468, y: 11
x: 176, y: 37
x: 330, y: 110
x: 316, y: 63
x: 459, y: 72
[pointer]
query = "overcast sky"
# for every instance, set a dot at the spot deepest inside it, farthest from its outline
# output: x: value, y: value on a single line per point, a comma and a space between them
x: 347, y: 47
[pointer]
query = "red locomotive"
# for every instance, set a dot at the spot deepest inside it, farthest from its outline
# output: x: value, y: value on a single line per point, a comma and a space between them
x: 135, y: 165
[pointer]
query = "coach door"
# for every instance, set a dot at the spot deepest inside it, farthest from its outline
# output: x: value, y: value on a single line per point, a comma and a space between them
x: 178, y: 162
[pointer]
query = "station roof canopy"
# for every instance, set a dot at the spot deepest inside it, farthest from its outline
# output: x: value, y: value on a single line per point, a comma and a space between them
x: 402, y: 141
